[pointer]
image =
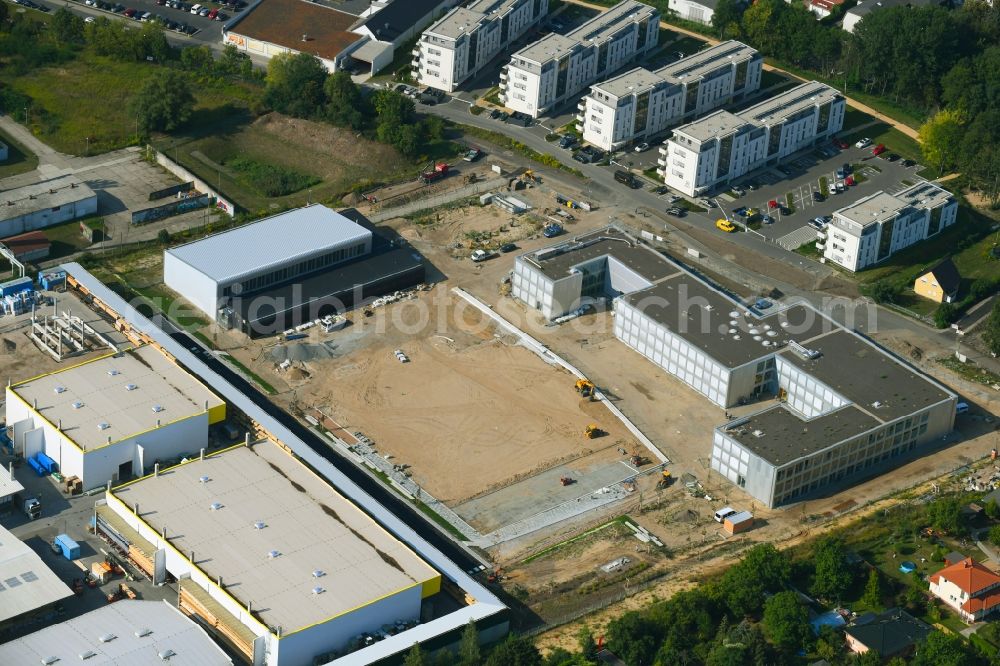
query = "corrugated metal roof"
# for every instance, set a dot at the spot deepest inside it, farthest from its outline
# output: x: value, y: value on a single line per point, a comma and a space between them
x: 271, y: 242
x: 26, y: 583
x: 142, y: 631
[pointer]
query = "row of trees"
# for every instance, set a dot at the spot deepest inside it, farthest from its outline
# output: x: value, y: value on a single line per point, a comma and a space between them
x: 299, y: 85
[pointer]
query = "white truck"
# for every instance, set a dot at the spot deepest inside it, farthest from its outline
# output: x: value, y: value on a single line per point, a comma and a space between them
x: 31, y: 506
x: 481, y: 255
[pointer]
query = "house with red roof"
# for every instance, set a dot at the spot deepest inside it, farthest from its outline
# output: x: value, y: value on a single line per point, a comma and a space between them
x: 968, y: 587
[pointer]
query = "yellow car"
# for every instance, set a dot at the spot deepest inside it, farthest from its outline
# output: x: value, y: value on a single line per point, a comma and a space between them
x: 725, y: 225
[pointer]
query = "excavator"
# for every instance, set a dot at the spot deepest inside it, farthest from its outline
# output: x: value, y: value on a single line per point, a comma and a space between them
x: 593, y: 431
x: 585, y: 387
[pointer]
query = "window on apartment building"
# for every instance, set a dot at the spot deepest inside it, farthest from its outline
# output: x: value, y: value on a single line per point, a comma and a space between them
x: 431, y: 72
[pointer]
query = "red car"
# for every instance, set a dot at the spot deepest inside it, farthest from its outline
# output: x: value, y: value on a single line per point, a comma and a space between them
x: 130, y: 12
x: 849, y: 180
x: 772, y: 203
x: 879, y: 149
x: 212, y: 14
x: 840, y: 143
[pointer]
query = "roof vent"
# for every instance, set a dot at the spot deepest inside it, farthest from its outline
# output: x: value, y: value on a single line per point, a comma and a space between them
x: 165, y: 655
x: 318, y: 573
x: 60, y: 389
x: 876, y: 404
x: 318, y: 590
x: 259, y: 525
x: 271, y: 554
x: 130, y: 387
x: 142, y: 633
x: 157, y: 408
x: 87, y: 654
x: 808, y: 354
x: 215, y: 506
x: 113, y: 372
x: 203, y: 479
x: 77, y: 405
x: 103, y: 425
x: 48, y: 661
x: 106, y: 638
x: 758, y: 433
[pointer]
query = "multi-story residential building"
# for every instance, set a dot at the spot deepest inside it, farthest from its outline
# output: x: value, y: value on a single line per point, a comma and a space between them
x: 835, y: 407
x: 640, y: 103
x: 722, y: 146
x: 874, y: 228
x: 556, y: 67
x: 460, y: 44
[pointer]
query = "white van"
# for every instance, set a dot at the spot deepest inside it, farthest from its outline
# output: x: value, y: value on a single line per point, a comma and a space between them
x: 196, y: 9
x: 962, y: 408
x: 724, y: 513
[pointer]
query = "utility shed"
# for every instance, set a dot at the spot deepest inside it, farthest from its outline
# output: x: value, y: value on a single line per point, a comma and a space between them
x: 27, y: 586
x: 270, y: 252
x: 126, y: 633
x: 43, y: 204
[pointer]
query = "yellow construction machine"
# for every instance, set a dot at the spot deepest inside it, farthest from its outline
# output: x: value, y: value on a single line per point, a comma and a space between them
x: 593, y: 431
x: 585, y: 387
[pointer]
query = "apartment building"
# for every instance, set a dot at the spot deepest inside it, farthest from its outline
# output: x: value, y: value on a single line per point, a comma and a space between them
x: 835, y: 408
x: 722, y: 146
x: 463, y: 41
x: 556, y: 67
x: 872, y: 229
x: 641, y: 103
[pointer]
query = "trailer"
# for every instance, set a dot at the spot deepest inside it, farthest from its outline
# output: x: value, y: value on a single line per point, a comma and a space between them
x: 70, y: 549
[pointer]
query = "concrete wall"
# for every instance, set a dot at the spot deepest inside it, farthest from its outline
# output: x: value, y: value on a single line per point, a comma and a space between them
x: 221, y: 203
x: 40, y: 219
x: 201, y: 290
x: 170, y: 441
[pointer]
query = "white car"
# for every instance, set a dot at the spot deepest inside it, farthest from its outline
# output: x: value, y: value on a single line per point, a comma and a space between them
x: 642, y: 147
x: 863, y: 143
x: 89, y: 19
x: 196, y: 9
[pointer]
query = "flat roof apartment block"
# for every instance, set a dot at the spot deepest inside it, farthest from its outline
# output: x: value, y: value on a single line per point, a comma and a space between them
x: 466, y: 39
x: 641, y: 103
x: 722, y: 146
x: 272, y: 251
x: 543, y: 74
x: 875, y: 227
x: 285, y: 556
x: 110, y: 419
x: 835, y: 407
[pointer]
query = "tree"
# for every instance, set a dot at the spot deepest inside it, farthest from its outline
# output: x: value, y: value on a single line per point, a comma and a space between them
x: 994, y: 535
x: 946, y: 515
x: 832, y: 575
x: 883, y: 291
x: 163, y: 236
x: 416, y: 656
x: 468, y: 647
x: 726, y: 15
x: 164, y: 102
x: 830, y: 644
x: 873, y: 590
x: 515, y: 651
x: 992, y: 510
x: 345, y: 104
x: 941, y: 649
x: 295, y: 83
x: 940, y: 139
x: 991, y: 329
x: 945, y: 314
x: 762, y: 569
x: 787, y: 621
x: 634, y: 638
x: 197, y: 58
x: 588, y: 646
x: 67, y: 27
x: 869, y: 658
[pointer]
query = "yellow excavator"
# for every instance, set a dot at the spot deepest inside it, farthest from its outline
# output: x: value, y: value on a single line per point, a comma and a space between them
x: 593, y: 431
x: 585, y: 387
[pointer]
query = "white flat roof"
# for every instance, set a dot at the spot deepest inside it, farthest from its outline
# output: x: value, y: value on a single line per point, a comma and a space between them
x: 142, y: 630
x: 26, y: 583
x: 311, y: 526
x: 273, y: 241
x: 45, y: 195
x: 91, y: 395
x: 8, y: 484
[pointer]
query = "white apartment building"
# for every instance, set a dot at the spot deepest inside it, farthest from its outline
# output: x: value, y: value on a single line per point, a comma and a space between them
x: 640, y: 103
x: 467, y: 38
x: 556, y: 67
x: 723, y: 146
x: 872, y: 229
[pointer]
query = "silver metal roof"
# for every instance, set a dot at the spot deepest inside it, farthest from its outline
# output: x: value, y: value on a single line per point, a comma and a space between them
x: 26, y: 582
x: 271, y: 242
x: 8, y: 483
x: 43, y: 196
x: 139, y: 632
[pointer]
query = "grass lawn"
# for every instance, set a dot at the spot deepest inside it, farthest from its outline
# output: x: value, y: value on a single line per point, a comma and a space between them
x: 769, y: 78
x: 688, y: 44
x: 19, y: 158
x: 67, y: 238
x: 894, y: 140
x: 809, y: 250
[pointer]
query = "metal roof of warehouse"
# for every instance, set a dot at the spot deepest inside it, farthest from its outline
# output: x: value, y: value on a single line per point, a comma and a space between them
x: 141, y: 630
x: 45, y: 195
x: 268, y: 243
x: 26, y: 583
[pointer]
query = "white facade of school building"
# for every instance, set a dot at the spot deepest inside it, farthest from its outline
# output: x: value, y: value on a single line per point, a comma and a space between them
x: 723, y: 146
x: 556, y: 67
x: 466, y: 39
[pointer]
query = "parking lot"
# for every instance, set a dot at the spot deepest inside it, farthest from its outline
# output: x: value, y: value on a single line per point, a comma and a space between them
x: 176, y: 19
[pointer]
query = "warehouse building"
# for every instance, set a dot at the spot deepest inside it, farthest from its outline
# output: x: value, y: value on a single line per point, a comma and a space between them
x: 28, y: 588
x: 836, y: 408
x: 112, y: 418
x: 641, y: 103
x: 543, y: 74
x: 467, y: 38
x: 874, y: 228
x: 32, y: 246
x: 278, y: 564
x: 125, y: 633
x: 273, y: 274
x: 722, y: 146
x: 44, y: 204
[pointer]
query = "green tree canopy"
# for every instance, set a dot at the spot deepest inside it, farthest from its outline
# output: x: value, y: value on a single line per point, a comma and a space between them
x: 991, y: 329
x: 295, y: 84
x: 941, y: 139
x: 832, y: 575
x: 468, y: 647
x: 66, y: 26
x: 873, y: 590
x: 345, y: 105
x: 940, y: 649
x: 515, y: 651
x: 786, y: 621
x: 946, y: 515
x: 164, y: 102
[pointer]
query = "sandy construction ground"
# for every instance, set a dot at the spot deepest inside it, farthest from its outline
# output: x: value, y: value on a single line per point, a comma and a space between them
x: 470, y: 412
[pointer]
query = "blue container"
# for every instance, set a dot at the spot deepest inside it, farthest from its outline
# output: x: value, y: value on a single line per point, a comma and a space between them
x: 48, y: 464
x: 70, y: 549
x: 17, y: 286
x: 34, y: 464
x: 50, y: 281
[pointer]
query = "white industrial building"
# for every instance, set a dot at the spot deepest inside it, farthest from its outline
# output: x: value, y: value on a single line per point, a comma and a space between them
x: 467, y: 38
x: 835, y: 408
x: 557, y: 67
x: 125, y: 633
x: 722, y: 146
x: 639, y: 104
x: 112, y: 418
x: 28, y: 588
x: 272, y: 251
x: 874, y: 228
x: 270, y: 557
x: 44, y: 204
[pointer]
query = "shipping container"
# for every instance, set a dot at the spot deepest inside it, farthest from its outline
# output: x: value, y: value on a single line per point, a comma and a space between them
x: 46, y: 463
x: 16, y: 286
x: 738, y: 522
x: 50, y: 281
x: 70, y: 549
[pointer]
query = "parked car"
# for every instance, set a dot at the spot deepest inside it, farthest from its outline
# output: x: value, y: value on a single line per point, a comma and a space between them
x: 707, y: 203
x: 89, y: 19
x: 817, y: 223
x: 750, y: 185
x: 508, y: 247
x: 552, y: 230
x: 212, y: 14
x: 504, y: 116
x: 817, y: 196
x: 879, y: 149
x: 662, y: 189
x: 892, y: 157
x: 840, y: 143
x: 472, y: 154
x: 642, y: 147
x: 676, y: 211
x: 840, y: 188
x: 494, y: 114
x: 725, y: 225
x: 567, y: 141
x: 767, y: 219
x: 129, y: 12
x: 741, y: 211
x: 195, y: 9
x: 908, y: 163
x: 518, y: 118
x: 146, y: 17
x: 863, y: 143
x: 204, y: 11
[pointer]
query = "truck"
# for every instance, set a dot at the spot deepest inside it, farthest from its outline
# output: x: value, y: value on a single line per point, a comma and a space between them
x: 552, y: 230
x: 439, y: 171
x: 481, y: 255
x: 29, y: 504
x: 627, y: 178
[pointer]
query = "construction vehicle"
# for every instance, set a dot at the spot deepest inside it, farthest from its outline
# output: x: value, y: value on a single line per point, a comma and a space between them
x: 665, y: 480
x: 585, y: 387
x: 593, y: 431
x: 439, y: 171
x: 30, y: 505
x: 566, y: 481
x: 638, y: 460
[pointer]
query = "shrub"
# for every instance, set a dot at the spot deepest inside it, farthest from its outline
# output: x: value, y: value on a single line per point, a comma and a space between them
x: 270, y: 179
